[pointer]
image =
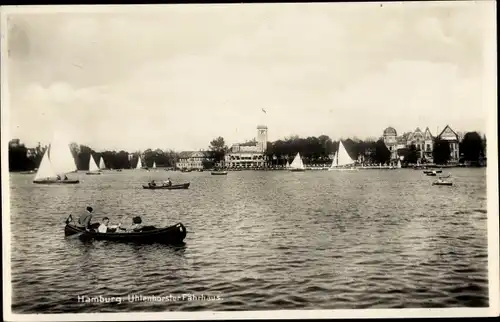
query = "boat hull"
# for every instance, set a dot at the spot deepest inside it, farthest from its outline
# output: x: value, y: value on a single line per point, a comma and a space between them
x: 432, y: 171
x: 172, y: 187
x: 214, y: 173
x: 431, y: 174
x: 170, y: 235
x: 93, y: 173
x: 56, y: 181
x: 442, y: 183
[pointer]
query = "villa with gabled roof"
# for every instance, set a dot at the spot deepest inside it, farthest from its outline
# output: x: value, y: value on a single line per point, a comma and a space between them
x: 423, y: 141
x: 192, y: 160
x: 453, y: 140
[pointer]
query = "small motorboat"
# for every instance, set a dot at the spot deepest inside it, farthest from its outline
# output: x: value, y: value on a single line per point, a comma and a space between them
x: 218, y: 173
x: 149, y: 234
x: 442, y: 183
x: 165, y: 187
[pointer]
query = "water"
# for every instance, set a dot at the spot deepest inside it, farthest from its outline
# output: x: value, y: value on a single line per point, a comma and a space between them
x: 258, y: 241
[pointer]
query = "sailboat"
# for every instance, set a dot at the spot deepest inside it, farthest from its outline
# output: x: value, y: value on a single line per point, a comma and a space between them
x: 342, y: 161
x: 57, y: 161
x: 399, y: 164
x: 297, y: 164
x: 102, y: 165
x: 154, y: 165
x: 287, y: 166
x: 93, y: 168
x: 139, y: 163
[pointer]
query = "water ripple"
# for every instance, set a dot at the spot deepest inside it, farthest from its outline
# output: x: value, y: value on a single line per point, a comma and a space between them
x: 257, y: 241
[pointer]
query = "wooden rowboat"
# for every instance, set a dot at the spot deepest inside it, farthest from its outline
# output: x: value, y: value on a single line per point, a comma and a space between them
x: 54, y: 181
x: 437, y: 183
x: 218, y: 173
x: 172, y: 187
x: 149, y: 234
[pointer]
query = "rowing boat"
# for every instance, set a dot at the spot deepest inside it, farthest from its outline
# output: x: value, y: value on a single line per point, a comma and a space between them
x: 149, y: 234
x: 219, y: 173
x: 172, y: 187
x: 442, y: 183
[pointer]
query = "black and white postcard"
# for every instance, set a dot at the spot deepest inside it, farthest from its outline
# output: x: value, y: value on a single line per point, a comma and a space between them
x: 246, y: 160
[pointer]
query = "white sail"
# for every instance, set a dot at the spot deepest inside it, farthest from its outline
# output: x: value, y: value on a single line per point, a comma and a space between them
x: 297, y: 162
x: 92, y: 165
x: 139, y: 163
x: 399, y: 164
x: 287, y: 164
x: 102, y: 165
x: 335, y: 160
x: 60, y: 156
x: 45, y: 168
x: 154, y: 165
x: 343, y: 157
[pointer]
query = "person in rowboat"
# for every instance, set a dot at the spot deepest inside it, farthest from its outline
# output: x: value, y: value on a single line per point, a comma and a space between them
x: 136, y: 225
x: 104, y: 227
x: 85, y: 219
x: 152, y: 183
x: 167, y: 183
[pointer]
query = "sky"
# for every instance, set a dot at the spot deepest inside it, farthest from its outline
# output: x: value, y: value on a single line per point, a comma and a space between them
x: 177, y: 76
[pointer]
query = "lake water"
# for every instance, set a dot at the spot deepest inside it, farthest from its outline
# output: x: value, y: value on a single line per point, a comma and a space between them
x: 257, y: 241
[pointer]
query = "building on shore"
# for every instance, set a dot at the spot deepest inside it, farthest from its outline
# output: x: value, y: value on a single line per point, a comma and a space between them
x: 453, y: 140
x: 422, y: 140
x: 250, y: 154
x: 428, y: 145
x: 390, y: 139
x: 191, y: 160
x: 416, y: 138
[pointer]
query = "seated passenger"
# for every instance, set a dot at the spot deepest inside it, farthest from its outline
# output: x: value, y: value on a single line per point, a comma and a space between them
x: 104, y: 227
x: 136, y: 225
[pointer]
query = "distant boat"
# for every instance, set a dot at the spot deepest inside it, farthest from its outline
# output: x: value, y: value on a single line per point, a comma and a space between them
x: 164, y: 187
x: 102, y: 165
x: 297, y: 164
x: 399, y: 164
x: 218, y: 173
x: 93, y: 168
x: 287, y: 166
x: 442, y: 183
x: 139, y: 163
x: 57, y: 161
x: 342, y: 161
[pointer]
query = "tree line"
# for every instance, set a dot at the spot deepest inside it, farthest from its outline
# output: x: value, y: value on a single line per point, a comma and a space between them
x: 319, y: 150
x: 314, y: 150
x: 22, y: 158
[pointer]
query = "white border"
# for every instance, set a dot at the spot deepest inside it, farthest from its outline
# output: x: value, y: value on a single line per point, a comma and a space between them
x: 490, y: 95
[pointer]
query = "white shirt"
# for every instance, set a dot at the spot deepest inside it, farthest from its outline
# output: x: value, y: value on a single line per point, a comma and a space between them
x: 102, y: 228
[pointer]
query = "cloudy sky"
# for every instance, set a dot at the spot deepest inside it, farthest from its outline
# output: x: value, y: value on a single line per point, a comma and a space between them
x: 179, y: 75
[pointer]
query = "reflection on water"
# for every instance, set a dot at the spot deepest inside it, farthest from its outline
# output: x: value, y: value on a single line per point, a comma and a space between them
x: 257, y: 240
